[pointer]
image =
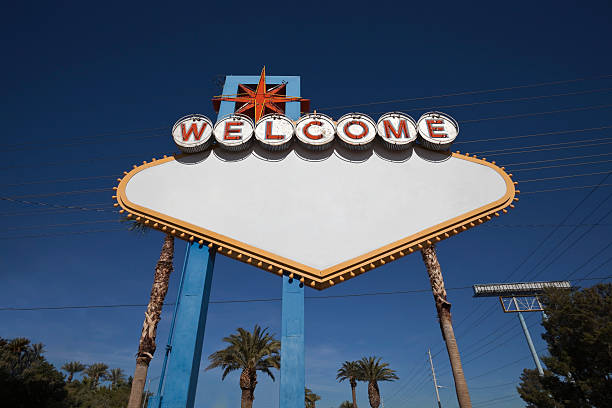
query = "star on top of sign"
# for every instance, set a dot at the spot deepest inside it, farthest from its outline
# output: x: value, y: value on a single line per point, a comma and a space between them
x: 258, y: 102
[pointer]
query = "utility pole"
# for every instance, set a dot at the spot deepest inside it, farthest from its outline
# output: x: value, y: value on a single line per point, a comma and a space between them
x: 433, y: 374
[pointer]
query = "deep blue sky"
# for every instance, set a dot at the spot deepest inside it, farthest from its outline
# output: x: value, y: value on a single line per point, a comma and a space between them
x: 77, y: 78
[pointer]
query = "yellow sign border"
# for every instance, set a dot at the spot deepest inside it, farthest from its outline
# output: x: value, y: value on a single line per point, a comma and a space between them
x: 318, y: 279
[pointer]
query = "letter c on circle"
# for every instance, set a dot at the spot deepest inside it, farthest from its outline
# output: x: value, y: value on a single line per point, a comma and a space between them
x: 307, y: 132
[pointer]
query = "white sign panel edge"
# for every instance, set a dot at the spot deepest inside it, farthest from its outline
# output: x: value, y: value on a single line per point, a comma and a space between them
x: 318, y: 278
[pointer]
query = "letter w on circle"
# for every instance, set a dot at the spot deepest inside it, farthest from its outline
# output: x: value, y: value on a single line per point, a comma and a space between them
x: 193, y: 130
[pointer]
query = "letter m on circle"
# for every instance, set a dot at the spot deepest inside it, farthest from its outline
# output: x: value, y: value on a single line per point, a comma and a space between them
x: 193, y: 130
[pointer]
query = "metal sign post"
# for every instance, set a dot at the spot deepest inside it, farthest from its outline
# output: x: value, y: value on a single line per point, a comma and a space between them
x: 536, y: 359
x: 181, y: 377
x: 293, y: 372
x: 520, y: 297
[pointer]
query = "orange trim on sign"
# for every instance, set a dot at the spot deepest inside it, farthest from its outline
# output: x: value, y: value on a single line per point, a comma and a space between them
x: 319, y: 279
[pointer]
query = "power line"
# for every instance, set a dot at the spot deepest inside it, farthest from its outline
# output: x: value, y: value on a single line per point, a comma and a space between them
x: 589, y: 260
x: 409, y: 379
x: 126, y: 132
x: 564, y: 177
x: 58, y: 193
x: 530, y: 114
x: 495, y: 331
x: 230, y: 301
x: 552, y: 148
x: 595, y: 187
x: 40, y: 211
x: 598, y: 267
x: 56, y: 146
x: 495, y: 225
x: 88, y: 160
x: 495, y: 101
x: 498, y: 399
x: 66, y: 180
x: 504, y: 366
x: 562, y: 165
x: 565, y: 219
x: 559, y: 159
x: 550, y: 190
x: 567, y: 237
x: 471, y: 92
x: 545, y: 145
x: 551, y: 133
x: 61, y: 225
x: 590, y: 91
x: 70, y: 207
x: 482, y: 354
x: 493, y: 386
x: 59, y: 234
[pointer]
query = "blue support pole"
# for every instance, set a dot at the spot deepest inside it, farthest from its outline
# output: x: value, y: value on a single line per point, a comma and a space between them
x: 292, y: 375
x: 155, y: 400
x: 536, y: 360
x: 186, y: 348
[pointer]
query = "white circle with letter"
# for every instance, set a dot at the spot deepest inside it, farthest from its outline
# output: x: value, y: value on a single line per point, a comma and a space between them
x: 234, y: 132
x: 356, y: 130
x: 397, y: 130
x: 274, y: 131
x: 192, y: 133
x: 437, y: 130
x: 315, y: 131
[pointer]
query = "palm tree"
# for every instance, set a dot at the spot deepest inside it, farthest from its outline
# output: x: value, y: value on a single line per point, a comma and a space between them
x: 310, y: 398
x: 116, y: 377
x: 249, y: 352
x: 71, y: 368
x: 38, y: 349
x: 19, y: 345
x: 349, y: 371
x: 146, y: 346
x: 443, y: 307
x: 346, y: 404
x: 97, y: 372
x: 372, y: 371
x: 21, y: 349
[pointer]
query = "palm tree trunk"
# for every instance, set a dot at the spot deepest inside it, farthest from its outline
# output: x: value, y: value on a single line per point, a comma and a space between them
x: 353, y: 386
x: 146, y: 347
x: 373, y: 394
x: 248, y: 381
x: 443, y: 307
x: 70, y: 378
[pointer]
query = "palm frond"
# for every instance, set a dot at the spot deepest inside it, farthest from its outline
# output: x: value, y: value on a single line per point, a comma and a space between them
x: 371, y: 369
x: 134, y: 226
x: 257, y: 350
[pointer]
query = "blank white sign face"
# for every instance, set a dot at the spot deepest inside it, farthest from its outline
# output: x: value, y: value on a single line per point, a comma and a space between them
x: 322, y: 214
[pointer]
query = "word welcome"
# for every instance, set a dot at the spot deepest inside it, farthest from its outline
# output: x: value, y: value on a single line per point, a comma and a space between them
x: 356, y: 131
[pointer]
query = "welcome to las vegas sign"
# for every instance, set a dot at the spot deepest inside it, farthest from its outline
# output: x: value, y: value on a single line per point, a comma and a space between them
x: 321, y: 200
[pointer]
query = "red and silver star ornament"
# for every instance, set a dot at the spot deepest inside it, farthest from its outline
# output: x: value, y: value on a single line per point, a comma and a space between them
x: 261, y: 99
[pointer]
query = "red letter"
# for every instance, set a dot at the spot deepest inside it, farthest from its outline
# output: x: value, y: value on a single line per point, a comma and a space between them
x: 229, y: 131
x: 433, y: 129
x: 193, y: 129
x: 402, y: 129
x: 352, y: 135
x: 307, y: 132
x: 269, y: 134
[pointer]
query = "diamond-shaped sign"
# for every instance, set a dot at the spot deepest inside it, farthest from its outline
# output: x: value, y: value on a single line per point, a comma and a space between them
x: 323, y: 216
